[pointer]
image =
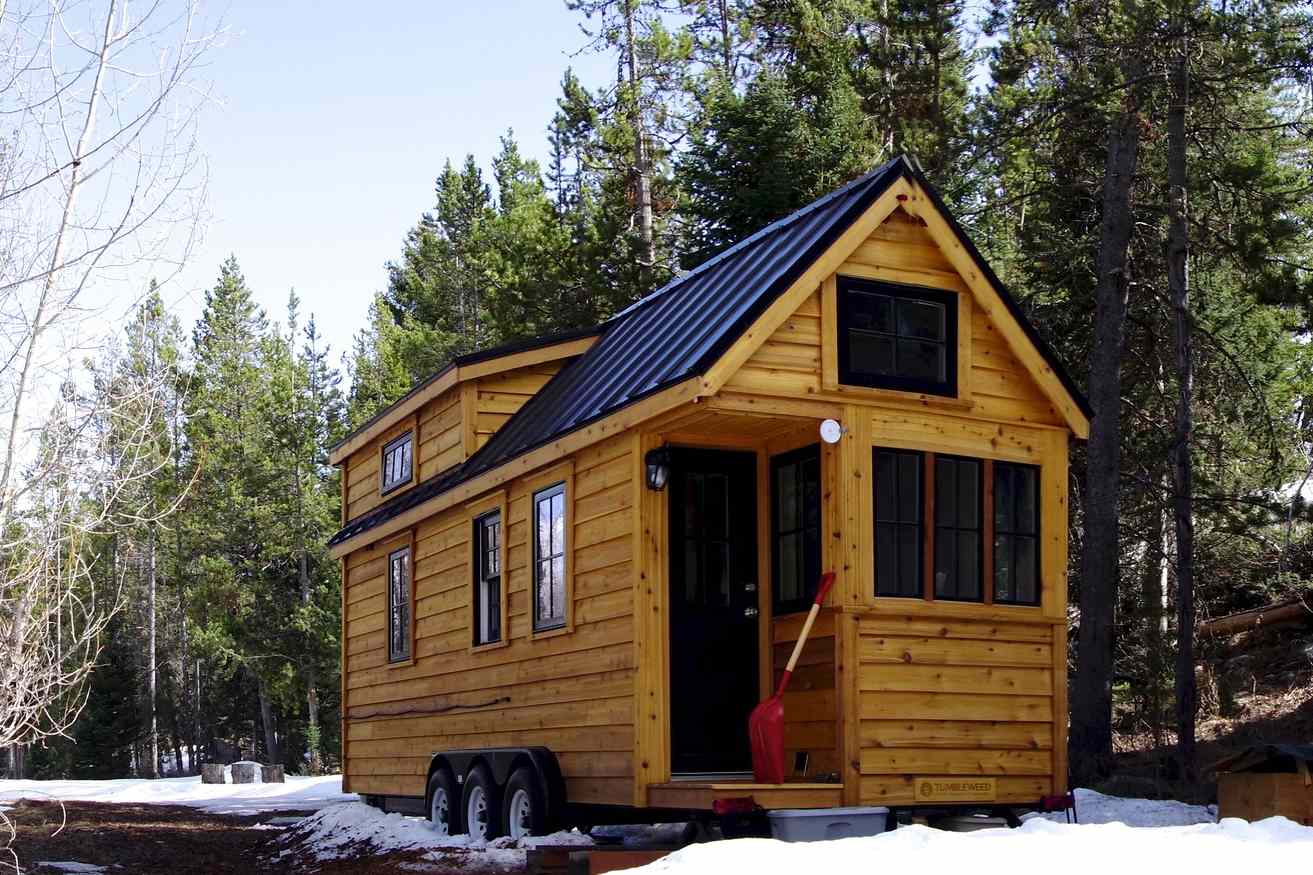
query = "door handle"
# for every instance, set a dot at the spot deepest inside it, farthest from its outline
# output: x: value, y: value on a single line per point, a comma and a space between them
x: 750, y: 612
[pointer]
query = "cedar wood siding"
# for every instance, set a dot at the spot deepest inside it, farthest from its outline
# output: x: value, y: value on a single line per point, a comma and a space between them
x: 571, y: 691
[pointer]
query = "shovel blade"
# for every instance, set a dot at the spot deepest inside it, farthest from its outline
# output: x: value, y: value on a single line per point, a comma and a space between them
x: 766, y: 730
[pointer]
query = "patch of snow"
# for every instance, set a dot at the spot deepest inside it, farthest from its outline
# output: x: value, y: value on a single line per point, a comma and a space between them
x: 1092, y: 807
x: 70, y: 866
x: 1038, y: 847
x: 298, y: 794
x: 350, y: 830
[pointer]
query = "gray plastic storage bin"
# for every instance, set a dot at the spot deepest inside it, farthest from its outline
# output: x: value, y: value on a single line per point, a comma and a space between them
x: 819, y: 824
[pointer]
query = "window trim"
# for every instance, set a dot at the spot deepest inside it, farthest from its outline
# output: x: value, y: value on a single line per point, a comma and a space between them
x: 950, y: 387
x: 779, y: 609
x: 385, y: 488
x: 494, y: 503
x: 406, y: 542
x: 562, y: 476
x: 1039, y: 537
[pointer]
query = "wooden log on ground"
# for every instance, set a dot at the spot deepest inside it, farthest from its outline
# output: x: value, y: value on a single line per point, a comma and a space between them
x: 1292, y: 611
x: 244, y: 773
x: 212, y: 773
x: 272, y: 774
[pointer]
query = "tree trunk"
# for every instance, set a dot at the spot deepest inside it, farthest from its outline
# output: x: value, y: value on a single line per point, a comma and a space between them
x: 1091, y: 694
x: 267, y: 722
x: 1178, y: 284
x: 642, y: 162
x: 1153, y: 595
x: 153, y: 738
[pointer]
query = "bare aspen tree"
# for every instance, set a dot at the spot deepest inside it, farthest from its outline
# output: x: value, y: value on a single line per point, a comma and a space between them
x: 100, y: 185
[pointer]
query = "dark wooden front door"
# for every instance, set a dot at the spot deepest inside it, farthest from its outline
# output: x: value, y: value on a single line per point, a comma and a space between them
x: 713, y: 609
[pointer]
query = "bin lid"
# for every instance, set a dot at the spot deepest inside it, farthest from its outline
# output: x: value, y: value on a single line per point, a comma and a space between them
x: 1268, y: 758
x: 854, y: 811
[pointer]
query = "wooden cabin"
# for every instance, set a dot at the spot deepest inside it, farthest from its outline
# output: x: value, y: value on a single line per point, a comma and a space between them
x: 593, y: 553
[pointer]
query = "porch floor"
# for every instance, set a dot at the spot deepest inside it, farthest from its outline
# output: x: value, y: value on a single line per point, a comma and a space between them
x: 698, y: 795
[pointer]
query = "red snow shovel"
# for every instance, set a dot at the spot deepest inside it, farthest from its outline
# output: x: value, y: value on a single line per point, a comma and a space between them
x: 766, y: 723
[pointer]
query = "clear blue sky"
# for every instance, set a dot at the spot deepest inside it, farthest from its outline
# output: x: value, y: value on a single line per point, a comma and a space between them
x: 334, y: 118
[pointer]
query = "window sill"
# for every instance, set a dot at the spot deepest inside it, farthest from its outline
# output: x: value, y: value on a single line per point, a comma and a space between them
x: 401, y: 663
x: 491, y: 645
x: 924, y: 399
x: 550, y: 633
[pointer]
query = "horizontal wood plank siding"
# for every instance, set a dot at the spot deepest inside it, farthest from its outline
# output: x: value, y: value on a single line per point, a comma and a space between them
x: 810, y: 703
x: 572, y: 692
x: 502, y: 395
x: 940, y: 698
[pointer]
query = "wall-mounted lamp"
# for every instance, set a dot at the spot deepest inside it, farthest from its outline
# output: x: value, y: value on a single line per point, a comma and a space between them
x: 658, y: 468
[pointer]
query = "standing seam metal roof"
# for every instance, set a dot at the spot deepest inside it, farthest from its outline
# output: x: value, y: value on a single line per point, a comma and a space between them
x: 682, y: 328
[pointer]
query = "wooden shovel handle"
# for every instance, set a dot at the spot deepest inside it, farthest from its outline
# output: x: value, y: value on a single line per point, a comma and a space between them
x: 827, y: 581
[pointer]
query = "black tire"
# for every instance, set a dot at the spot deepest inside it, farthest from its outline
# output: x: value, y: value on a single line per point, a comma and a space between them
x: 480, y: 808
x: 443, y: 786
x: 524, y: 805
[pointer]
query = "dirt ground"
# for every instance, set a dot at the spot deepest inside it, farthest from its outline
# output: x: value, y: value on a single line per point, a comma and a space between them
x: 167, y: 839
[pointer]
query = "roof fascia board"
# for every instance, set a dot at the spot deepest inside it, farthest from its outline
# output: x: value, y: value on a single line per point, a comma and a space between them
x: 449, y: 377
x: 990, y: 300
x: 783, y: 307
x: 551, y: 453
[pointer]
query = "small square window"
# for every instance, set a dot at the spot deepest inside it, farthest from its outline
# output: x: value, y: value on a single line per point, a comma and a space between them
x: 398, y: 463
x: 897, y: 337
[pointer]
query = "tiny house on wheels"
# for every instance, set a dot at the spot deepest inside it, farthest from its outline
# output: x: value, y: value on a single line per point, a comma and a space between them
x: 572, y: 566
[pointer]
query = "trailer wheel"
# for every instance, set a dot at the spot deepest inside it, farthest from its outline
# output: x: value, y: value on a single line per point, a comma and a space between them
x: 524, y: 812
x: 444, y: 803
x: 481, y: 804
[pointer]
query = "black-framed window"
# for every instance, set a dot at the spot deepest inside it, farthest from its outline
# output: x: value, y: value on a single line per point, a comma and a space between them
x: 399, y: 605
x: 1016, y: 534
x: 899, y: 523
x: 958, y: 542
x: 549, y: 546
x: 897, y: 337
x: 795, y: 529
x: 398, y: 462
x: 487, y: 578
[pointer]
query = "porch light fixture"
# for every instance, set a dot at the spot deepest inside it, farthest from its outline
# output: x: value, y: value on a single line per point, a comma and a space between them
x: 658, y: 468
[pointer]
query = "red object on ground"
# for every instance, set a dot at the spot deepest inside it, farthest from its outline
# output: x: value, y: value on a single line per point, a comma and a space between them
x: 766, y: 723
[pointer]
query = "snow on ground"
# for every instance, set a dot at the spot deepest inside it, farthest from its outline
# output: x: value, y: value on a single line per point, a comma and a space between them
x: 298, y: 794
x: 1092, y: 807
x: 1038, y: 847
x: 353, y: 829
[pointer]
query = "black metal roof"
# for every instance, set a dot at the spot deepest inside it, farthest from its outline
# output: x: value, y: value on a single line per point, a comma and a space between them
x: 679, y: 330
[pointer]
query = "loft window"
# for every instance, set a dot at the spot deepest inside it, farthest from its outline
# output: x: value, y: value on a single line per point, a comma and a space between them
x: 899, y: 522
x: 1016, y: 534
x: 957, y: 528
x: 796, y: 528
x: 487, y: 578
x: 399, y: 606
x: 897, y: 337
x: 549, y: 558
x: 398, y: 462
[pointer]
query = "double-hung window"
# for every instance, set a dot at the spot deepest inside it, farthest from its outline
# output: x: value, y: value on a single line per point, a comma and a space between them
x: 399, y: 605
x: 549, y: 546
x: 398, y: 463
x: 796, y: 528
x: 487, y: 578
x: 897, y: 337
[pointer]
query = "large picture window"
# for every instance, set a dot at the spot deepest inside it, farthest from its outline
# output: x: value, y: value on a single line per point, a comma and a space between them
x: 957, y: 528
x: 487, y: 578
x: 398, y: 463
x: 796, y: 528
x: 897, y: 337
x: 1016, y: 534
x: 899, y: 521
x: 399, y: 605
x: 549, y: 546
